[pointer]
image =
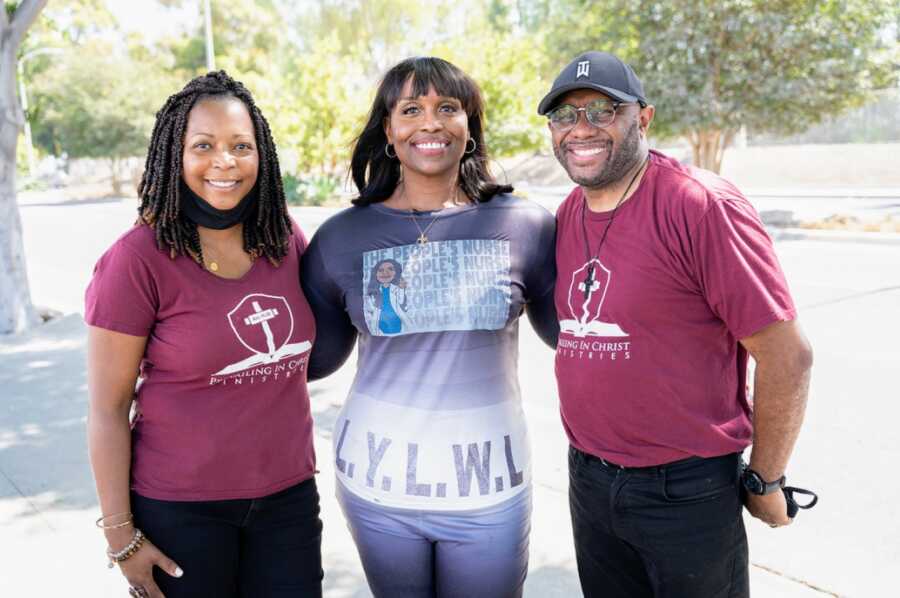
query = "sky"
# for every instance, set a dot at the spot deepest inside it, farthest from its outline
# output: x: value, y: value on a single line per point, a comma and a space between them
x: 153, y: 20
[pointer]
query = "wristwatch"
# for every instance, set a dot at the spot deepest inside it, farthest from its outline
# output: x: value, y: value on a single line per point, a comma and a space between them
x: 754, y: 484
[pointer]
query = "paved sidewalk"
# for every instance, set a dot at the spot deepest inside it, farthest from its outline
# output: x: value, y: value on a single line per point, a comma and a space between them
x: 48, y: 543
x: 849, y: 545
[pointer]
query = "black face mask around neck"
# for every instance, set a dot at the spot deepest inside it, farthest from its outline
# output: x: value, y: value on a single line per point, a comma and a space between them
x: 202, y: 213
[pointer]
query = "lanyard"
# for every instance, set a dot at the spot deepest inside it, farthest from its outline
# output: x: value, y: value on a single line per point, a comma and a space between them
x: 589, y: 279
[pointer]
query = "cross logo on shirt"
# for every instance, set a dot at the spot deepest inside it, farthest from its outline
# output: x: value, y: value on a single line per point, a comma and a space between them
x: 261, y: 317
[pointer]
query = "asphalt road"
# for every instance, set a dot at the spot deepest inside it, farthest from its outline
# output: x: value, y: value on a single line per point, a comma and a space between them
x: 848, y: 295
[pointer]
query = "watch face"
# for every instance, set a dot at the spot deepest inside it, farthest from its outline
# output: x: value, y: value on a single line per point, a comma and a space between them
x: 752, y: 482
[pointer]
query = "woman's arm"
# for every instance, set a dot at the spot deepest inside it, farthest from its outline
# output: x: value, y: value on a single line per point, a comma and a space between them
x: 542, y: 315
x: 113, y: 363
x: 540, y: 281
x: 335, y: 333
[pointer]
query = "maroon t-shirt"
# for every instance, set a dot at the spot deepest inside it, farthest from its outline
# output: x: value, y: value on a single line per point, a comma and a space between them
x: 648, y: 363
x: 222, y: 398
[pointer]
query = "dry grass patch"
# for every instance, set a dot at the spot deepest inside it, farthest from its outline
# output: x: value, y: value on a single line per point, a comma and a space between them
x: 884, y: 224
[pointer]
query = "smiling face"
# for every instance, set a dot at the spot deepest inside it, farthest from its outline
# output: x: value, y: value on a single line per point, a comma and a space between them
x: 595, y: 157
x: 220, y: 161
x: 429, y: 132
x: 385, y: 273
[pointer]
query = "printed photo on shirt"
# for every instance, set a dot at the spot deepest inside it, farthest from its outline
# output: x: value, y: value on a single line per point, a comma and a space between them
x: 385, y: 300
x: 462, y: 284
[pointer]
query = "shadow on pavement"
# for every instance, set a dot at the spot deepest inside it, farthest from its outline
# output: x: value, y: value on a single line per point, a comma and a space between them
x: 343, y: 579
x: 552, y: 582
x: 43, y: 448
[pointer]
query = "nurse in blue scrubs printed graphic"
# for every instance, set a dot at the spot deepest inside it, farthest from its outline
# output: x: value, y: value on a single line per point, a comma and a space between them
x: 386, y: 302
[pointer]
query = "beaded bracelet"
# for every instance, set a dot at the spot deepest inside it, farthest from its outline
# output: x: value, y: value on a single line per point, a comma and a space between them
x: 99, y: 523
x: 137, y: 540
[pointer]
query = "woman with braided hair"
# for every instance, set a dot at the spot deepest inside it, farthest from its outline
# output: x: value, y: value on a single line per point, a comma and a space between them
x: 199, y: 335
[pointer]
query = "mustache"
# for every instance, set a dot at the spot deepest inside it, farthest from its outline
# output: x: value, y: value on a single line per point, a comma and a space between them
x: 603, y: 143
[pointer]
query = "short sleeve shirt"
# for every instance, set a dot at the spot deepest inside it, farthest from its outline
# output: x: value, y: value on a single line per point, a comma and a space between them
x: 223, y: 408
x: 648, y: 363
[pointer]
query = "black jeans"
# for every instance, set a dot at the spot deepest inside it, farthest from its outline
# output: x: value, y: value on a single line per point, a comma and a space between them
x: 665, y: 532
x: 263, y: 547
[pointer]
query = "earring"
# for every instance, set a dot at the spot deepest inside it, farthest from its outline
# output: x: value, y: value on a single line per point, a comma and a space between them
x: 387, y: 151
x: 474, y: 146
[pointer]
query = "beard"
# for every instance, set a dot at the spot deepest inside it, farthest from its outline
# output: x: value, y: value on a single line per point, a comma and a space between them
x: 620, y: 162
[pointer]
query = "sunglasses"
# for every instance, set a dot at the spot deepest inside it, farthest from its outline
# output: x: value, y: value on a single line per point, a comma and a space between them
x: 600, y: 113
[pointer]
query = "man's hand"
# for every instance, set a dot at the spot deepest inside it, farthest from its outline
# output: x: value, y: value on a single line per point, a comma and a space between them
x: 783, y: 362
x: 769, y: 508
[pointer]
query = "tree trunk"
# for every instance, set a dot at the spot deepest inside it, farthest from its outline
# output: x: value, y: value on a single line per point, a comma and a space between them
x: 708, y: 147
x: 16, y: 310
x: 114, y: 179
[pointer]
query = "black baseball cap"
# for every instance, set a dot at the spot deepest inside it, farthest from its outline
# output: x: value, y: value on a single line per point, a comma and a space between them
x: 596, y: 70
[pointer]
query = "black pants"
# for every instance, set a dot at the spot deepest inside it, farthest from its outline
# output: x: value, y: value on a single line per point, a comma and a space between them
x: 665, y: 532
x: 267, y: 547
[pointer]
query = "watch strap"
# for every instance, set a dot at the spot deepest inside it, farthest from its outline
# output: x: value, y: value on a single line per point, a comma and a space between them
x: 766, y: 487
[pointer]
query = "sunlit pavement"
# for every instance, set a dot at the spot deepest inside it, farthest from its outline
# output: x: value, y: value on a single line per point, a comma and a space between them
x: 848, y: 294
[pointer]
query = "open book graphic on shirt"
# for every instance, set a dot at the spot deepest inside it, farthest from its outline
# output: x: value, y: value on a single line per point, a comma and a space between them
x: 265, y: 358
x: 263, y: 324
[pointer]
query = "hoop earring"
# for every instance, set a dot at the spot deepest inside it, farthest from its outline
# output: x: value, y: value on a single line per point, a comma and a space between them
x: 387, y: 152
x: 474, y: 146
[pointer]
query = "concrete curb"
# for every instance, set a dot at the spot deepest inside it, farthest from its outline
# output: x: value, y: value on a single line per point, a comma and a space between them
x: 833, y: 236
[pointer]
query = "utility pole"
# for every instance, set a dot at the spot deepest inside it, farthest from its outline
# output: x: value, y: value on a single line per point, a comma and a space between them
x: 210, y: 53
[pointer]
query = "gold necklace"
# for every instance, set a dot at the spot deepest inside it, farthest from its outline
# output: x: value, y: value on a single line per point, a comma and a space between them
x: 422, y: 239
x: 210, y: 264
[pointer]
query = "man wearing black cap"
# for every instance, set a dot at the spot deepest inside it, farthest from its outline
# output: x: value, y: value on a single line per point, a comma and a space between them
x: 666, y: 282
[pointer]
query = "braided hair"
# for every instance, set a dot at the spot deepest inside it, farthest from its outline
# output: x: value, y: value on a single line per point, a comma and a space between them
x: 267, y: 229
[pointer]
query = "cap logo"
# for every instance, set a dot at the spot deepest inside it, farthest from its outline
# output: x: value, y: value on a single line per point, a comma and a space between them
x: 584, y: 69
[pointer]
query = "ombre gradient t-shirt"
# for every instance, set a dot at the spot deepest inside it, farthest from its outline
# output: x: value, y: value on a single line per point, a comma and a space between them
x: 648, y: 363
x: 223, y: 408
x: 434, y: 418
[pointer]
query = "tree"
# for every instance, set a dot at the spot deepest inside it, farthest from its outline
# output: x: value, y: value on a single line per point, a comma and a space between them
x: 242, y: 34
x: 315, y: 106
x: 378, y: 34
x: 16, y: 310
x: 505, y: 65
x: 87, y: 105
x: 712, y: 66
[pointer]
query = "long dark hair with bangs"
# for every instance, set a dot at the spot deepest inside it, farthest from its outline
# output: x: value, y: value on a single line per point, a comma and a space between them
x: 376, y: 175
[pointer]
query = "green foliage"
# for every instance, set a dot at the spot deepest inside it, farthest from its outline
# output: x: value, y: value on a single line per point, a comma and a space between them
x: 720, y: 64
x: 708, y: 66
x: 738, y: 62
x: 375, y: 35
x: 64, y: 23
x: 314, y: 191
x: 85, y: 98
x: 505, y: 66
x: 89, y: 105
x: 242, y: 39
x: 315, y: 107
